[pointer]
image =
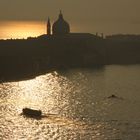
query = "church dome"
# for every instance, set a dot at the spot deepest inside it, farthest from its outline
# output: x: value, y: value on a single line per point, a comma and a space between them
x: 60, y: 27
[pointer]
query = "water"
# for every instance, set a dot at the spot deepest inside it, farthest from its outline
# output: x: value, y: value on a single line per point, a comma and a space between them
x: 76, y: 104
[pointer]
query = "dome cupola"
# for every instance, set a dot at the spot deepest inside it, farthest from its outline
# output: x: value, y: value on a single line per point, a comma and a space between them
x: 60, y: 27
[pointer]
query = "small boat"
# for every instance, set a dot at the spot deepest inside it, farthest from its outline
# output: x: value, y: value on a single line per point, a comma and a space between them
x: 32, y: 113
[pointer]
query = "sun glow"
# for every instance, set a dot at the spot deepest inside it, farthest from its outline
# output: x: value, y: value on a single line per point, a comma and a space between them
x: 21, y: 29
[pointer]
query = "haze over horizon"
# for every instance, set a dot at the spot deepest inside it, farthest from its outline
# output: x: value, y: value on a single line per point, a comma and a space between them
x: 109, y: 17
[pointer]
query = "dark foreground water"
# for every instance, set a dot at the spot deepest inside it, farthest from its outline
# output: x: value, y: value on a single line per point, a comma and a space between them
x: 78, y: 104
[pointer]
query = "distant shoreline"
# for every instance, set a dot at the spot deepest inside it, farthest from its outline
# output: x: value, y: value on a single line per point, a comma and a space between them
x: 35, y: 56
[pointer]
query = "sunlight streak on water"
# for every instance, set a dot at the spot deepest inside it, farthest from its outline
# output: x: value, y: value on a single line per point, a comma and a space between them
x: 39, y: 92
x: 76, y: 105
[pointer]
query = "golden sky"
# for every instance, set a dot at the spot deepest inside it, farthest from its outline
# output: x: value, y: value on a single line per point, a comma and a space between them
x: 108, y: 16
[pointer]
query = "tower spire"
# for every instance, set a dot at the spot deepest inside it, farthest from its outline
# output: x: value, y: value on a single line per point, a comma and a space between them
x: 61, y: 15
x: 48, y: 27
x: 60, y: 11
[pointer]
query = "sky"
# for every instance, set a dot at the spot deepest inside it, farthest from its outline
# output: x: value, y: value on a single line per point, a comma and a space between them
x: 108, y: 16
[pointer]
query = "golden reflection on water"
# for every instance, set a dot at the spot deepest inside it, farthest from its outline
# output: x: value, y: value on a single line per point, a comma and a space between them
x: 45, y: 93
x: 75, y: 104
x: 21, y: 29
x: 39, y: 92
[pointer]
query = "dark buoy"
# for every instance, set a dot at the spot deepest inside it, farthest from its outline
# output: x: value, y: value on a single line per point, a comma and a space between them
x: 113, y: 96
x: 32, y: 113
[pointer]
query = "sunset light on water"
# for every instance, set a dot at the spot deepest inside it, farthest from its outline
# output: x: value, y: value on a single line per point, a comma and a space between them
x: 69, y: 70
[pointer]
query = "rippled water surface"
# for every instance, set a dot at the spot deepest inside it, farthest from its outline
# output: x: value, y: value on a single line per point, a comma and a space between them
x: 76, y: 105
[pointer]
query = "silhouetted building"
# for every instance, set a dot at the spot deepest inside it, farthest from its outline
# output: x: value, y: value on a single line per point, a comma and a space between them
x: 60, y: 27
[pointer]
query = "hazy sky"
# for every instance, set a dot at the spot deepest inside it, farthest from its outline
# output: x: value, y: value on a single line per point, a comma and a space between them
x: 110, y: 15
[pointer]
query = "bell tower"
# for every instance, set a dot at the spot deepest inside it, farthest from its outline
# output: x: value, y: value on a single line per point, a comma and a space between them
x: 48, y: 27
